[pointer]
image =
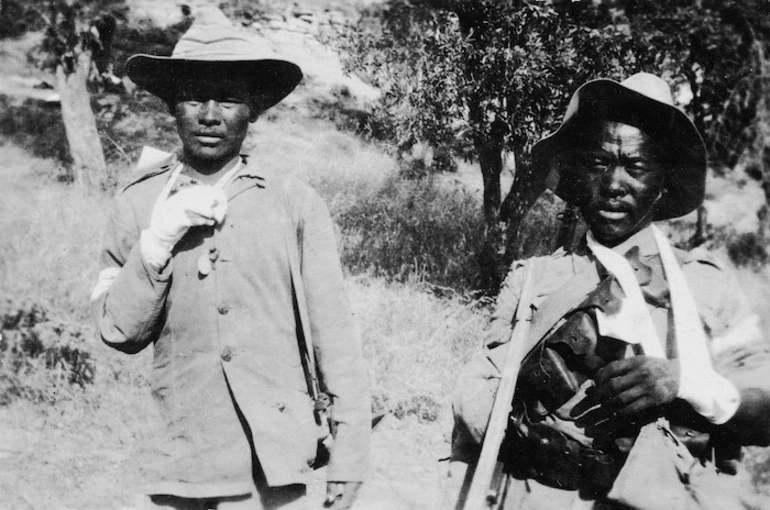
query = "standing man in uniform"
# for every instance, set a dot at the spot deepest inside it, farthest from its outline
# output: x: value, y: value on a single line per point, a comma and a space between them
x: 227, y: 268
x: 639, y: 349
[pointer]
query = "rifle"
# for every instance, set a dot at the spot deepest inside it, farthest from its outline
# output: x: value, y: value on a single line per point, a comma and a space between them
x: 486, y: 477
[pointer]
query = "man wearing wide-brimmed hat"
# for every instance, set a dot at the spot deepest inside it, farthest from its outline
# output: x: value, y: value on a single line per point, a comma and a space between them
x: 231, y: 272
x: 644, y: 371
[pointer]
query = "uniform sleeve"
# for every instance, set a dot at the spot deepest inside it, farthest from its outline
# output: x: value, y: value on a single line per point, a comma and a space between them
x: 741, y: 353
x: 128, y: 299
x: 739, y: 350
x: 342, y: 369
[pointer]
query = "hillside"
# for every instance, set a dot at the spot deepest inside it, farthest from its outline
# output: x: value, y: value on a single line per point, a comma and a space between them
x: 63, y: 446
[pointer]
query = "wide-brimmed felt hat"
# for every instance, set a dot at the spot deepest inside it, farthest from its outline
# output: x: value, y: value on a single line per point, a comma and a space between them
x: 644, y: 101
x: 214, y: 47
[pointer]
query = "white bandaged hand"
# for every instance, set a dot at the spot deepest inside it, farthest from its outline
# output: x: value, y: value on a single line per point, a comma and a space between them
x: 710, y: 394
x: 192, y: 206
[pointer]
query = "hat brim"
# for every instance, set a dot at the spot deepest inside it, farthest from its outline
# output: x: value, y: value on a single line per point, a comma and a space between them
x: 607, y: 100
x: 271, y: 79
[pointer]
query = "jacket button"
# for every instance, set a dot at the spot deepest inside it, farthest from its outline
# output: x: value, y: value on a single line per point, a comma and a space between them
x: 226, y: 354
x: 223, y: 310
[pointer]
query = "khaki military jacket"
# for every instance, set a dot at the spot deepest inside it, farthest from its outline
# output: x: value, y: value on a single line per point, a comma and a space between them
x: 738, y: 351
x: 227, y: 373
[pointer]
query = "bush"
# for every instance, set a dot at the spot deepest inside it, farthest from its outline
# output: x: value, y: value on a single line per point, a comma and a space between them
x: 414, y: 230
x: 35, y: 126
x: 16, y: 20
x: 748, y: 249
x: 40, y: 359
x: 126, y: 123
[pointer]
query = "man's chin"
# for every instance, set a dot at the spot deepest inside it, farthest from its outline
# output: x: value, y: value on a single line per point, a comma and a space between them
x: 611, y: 235
x: 209, y: 154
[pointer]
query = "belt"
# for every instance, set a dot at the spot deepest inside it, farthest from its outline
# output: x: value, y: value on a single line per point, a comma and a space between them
x: 542, y: 453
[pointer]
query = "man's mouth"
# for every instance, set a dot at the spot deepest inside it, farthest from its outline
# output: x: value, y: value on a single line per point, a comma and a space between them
x: 208, y: 138
x: 612, y: 211
x: 612, y: 215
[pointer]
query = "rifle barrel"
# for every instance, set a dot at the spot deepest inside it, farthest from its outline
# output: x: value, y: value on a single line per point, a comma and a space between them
x: 481, y: 495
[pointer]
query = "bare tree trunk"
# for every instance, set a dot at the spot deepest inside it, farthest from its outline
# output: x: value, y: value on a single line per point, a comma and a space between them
x: 489, y: 147
x: 89, y: 166
x: 525, y: 190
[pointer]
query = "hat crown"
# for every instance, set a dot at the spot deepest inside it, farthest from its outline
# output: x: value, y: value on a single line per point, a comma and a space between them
x: 651, y: 86
x: 212, y: 37
x: 214, y: 45
x: 642, y: 100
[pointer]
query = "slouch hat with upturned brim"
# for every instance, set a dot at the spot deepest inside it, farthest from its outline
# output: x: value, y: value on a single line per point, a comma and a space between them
x: 642, y: 100
x: 213, y: 46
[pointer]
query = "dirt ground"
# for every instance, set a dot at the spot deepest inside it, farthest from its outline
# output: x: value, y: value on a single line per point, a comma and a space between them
x: 73, y: 458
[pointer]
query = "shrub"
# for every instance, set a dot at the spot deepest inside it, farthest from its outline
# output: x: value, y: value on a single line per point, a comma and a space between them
x: 35, y: 126
x: 40, y: 359
x: 127, y: 123
x: 414, y: 230
x: 748, y: 249
x: 16, y: 20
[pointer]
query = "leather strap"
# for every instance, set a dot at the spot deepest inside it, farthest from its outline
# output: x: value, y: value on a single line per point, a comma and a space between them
x: 561, y: 302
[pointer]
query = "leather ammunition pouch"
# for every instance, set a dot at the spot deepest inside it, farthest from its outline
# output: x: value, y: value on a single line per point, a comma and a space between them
x: 552, y: 372
x: 540, y: 452
x: 550, y: 375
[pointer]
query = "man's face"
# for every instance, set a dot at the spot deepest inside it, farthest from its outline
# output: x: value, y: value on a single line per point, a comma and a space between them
x: 621, y: 178
x: 212, y: 118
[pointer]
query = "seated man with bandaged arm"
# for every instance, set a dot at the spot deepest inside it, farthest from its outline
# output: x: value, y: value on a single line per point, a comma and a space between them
x: 648, y: 372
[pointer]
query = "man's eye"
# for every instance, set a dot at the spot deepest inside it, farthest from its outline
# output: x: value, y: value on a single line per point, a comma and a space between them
x: 596, y: 162
x: 637, y: 168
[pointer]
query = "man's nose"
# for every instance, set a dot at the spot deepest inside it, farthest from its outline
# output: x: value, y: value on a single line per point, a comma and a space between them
x: 210, y: 113
x: 614, y: 178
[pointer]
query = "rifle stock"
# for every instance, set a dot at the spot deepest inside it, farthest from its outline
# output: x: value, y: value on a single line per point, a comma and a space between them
x: 486, y: 474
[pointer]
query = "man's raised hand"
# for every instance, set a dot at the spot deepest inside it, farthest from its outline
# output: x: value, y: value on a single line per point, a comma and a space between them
x: 192, y: 206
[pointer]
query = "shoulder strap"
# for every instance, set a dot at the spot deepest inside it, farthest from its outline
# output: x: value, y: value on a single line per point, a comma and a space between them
x: 305, y: 341
x: 562, y: 301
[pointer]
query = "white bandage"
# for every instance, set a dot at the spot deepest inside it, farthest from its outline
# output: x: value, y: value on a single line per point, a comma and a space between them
x: 103, y: 283
x: 710, y: 394
x: 171, y: 219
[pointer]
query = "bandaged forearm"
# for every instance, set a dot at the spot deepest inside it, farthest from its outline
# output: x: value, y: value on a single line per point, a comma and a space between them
x: 710, y: 394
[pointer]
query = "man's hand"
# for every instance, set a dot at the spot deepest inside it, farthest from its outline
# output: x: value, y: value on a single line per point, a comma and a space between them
x: 341, y: 495
x: 192, y: 206
x: 626, y: 389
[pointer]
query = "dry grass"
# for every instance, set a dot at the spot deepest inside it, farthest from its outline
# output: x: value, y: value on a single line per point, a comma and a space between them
x: 340, y: 166
x: 416, y: 344
x: 51, y: 235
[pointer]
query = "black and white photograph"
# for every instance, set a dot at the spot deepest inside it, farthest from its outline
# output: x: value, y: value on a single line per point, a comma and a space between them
x: 385, y: 254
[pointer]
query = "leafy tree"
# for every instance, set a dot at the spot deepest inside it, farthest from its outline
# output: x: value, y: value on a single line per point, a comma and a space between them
x: 717, y: 48
x: 484, y: 77
x: 76, y: 47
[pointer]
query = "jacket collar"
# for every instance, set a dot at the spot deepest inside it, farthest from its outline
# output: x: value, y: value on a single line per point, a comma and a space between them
x: 154, y: 162
x: 642, y: 239
x: 151, y: 162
